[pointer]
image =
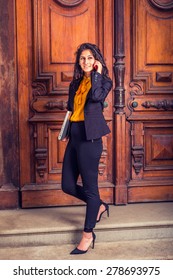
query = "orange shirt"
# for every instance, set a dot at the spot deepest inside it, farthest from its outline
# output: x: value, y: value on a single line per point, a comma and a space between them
x: 80, y: 99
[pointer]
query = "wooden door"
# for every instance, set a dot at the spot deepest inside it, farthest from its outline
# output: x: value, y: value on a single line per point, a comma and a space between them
x: 48, y: 33
x: 149, y: 100
x: 137, y: 159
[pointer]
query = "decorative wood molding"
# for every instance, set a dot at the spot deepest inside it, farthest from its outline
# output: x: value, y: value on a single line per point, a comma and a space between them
x: 163, y: 77
x: 66, y: 76
x: 119, y: 65
x: 138, y: 153
x: 159, y: 148
x: 69, y: 3
x: 119, y: 104
x: 38, y: 89
x: 164, y: 104
x: 41, y: 157
x: 163, y: 5
x: 61, y: 105
x: 102, y: 164
x: 137, y: 88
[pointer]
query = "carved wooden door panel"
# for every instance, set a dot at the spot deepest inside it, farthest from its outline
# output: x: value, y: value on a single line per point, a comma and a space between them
x: 149, y: 99
x: 49, y: 32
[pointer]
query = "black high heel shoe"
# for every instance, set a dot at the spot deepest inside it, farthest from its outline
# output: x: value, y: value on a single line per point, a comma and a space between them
x: 106, y: 210
x: 77, y: 251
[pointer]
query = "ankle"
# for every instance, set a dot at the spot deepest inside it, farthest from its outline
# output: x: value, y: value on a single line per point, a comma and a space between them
x: 87, y: 235
x: 102, y: 207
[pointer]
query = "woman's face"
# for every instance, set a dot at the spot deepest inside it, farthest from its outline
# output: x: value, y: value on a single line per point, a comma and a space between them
x: 86, y: 62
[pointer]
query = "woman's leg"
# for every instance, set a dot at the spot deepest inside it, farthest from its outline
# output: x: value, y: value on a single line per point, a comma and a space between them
x: 70, y: 173
x: 89, y: 154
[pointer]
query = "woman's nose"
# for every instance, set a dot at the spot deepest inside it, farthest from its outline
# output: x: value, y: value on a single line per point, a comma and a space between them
x: 86, y: 61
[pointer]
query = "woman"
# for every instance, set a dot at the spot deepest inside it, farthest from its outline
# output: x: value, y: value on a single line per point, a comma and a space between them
x: 87, y: 92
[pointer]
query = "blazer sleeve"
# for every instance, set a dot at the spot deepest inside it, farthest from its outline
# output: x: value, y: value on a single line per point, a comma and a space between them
x: 100, y: 87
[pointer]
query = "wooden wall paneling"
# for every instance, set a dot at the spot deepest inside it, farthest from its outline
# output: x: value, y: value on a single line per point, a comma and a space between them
x: 24, y: 73
x: 9, y: 144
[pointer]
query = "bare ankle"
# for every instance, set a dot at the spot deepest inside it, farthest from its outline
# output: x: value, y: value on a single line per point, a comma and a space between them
x: 87, y: 235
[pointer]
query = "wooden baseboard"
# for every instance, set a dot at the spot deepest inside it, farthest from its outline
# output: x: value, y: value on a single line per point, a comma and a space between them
x: 150, y: 191
x: 52, y: 195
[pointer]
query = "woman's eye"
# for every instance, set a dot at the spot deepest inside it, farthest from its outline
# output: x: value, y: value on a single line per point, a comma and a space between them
x: 88, y: 58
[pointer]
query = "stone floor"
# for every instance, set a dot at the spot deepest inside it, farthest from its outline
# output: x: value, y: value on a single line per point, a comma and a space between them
x: 136, y: 231
x: 149, y: 249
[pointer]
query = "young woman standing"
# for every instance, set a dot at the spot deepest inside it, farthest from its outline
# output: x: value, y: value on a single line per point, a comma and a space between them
x: 87, y: 92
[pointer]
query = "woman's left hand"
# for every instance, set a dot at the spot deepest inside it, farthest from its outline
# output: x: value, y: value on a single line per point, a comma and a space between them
x: 99, y: 66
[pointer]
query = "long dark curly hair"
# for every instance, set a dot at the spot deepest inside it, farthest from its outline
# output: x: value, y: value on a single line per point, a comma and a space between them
x: 78, y: 72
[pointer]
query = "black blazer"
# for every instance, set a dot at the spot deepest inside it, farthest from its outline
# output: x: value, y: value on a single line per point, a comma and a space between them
x: 95, y: 124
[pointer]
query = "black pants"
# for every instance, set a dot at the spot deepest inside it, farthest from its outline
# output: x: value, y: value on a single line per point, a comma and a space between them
x: 82, y: 157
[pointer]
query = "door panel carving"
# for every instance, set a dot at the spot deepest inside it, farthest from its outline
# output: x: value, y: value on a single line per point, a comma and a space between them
x: 152, y: 52
x: 159, y: 150
x: 56, y: 37
x: 149, y: 101
x: 162, y: 4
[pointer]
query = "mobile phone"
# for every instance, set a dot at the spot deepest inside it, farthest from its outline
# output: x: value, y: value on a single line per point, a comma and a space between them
x: 95, y: 67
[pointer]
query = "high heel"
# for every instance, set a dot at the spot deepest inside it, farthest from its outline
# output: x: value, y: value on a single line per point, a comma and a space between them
x: 94, y: 239
x: 106, y: 210
x: 77, y: 251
